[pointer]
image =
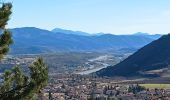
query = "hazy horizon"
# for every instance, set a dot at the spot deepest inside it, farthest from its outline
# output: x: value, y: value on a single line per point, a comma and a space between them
x: 93, y: 16
x: 90, y: 32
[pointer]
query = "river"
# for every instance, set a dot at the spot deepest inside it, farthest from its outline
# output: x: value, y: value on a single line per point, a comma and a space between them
x: 86, y: 72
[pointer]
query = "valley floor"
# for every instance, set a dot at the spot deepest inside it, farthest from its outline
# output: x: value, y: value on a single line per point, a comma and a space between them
x: 70, y: 79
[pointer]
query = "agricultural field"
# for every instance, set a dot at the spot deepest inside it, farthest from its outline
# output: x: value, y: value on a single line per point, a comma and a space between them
x: 159, y: 86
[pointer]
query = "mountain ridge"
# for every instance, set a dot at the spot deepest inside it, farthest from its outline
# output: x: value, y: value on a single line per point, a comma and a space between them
x: 44, y: 41
x: 153, y: 56
x: 59, y: 30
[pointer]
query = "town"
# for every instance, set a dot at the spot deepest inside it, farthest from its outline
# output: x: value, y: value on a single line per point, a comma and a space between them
x: 78, y: 87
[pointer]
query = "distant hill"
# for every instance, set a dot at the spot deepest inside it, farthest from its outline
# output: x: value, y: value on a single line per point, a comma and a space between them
x: 141, y: 33
x: 59, y: 30
x: 150, y: 61
x: 34, y: 40
x: 154, y: 36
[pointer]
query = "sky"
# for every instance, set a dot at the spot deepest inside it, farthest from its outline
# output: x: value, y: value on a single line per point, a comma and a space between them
x: 93, y: 16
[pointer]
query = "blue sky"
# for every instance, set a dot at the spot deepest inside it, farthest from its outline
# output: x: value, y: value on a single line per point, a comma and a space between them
x: 109, y: 16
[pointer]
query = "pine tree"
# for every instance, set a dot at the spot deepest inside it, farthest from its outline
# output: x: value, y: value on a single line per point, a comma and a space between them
x: 16, y: 85
x: 5, y: 37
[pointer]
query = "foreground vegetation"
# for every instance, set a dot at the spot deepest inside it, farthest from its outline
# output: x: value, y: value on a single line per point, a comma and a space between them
x: 15, y: 84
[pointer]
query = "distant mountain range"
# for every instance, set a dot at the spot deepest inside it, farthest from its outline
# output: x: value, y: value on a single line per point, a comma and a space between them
x: 59, y: 30
x: 31, y: 40
x: 150, y: 61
